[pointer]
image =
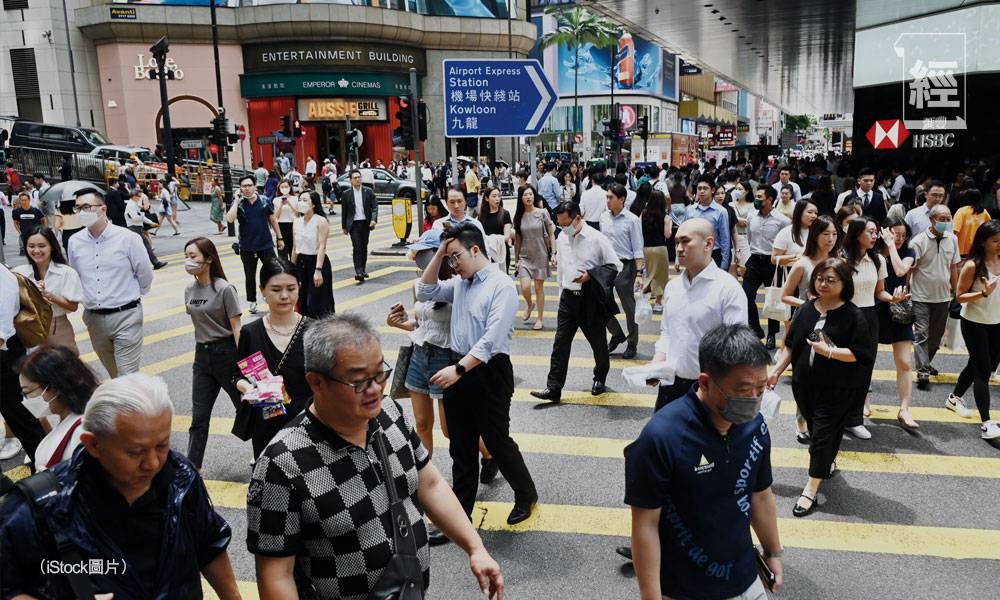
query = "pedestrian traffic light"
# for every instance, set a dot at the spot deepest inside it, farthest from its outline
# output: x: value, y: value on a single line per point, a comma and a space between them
x: 403, y: 135
x: 297, y: 130
x: 607, y: 127
x: 220, y: 130
x: 422, y: 121
x: 644, y: 127
x: 286, y: 126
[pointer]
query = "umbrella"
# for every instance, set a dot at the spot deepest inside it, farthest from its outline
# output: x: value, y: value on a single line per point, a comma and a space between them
x: 66, y: 191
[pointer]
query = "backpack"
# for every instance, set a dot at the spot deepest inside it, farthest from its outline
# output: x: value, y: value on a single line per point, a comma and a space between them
x: 33, y: 321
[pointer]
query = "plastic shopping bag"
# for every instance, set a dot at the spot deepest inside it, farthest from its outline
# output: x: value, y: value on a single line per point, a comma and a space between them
x: 774, y: 308
x: 643, y: 309
x: 638, y: 378
x: 770, y: 405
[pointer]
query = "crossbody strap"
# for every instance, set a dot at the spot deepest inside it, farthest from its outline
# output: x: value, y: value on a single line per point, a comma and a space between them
x: 402, y: 533
x: 288, y: 347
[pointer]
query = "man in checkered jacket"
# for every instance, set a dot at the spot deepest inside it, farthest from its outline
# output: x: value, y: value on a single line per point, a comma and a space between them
x: 317, y: 506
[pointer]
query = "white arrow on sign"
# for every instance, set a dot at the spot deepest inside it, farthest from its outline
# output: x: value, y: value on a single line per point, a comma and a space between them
x: 542, y: 91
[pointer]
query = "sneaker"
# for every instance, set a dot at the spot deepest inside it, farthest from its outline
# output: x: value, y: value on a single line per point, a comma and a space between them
x: 957, y: 405
x: 859, y: 431
x: 253, y: 308
x: 657, y: 309
x: 991, y: 430
x: 11, y: 447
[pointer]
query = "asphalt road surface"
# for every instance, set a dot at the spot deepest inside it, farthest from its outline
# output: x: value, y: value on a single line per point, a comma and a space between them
x: 909, y: 516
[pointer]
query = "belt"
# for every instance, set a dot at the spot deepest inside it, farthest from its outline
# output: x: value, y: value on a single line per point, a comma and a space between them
x: 110, y: 311
x: 573, y: 292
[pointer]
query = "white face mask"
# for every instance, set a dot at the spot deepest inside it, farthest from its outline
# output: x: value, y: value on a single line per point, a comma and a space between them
x: 303, y: 206
x: 192, y: 266
x: 87, y: 218
x: 284, y: 190
x: 737, y: 195
x: 570, y: 229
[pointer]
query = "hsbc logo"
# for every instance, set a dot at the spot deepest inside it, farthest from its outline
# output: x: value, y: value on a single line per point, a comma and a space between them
x: 887, y: 134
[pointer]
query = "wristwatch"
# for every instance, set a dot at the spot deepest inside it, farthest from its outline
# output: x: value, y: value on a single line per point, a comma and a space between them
x: 779, y: 554
x: 460, y: 369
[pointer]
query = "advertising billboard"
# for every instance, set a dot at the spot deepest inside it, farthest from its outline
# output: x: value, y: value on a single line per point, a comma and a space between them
x: 638, y: 67
x: 669, y: 75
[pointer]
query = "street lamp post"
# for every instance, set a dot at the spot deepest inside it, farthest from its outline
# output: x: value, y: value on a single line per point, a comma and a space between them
x: 227, y: 174
x: 159, y: 51
x: 72, y: 66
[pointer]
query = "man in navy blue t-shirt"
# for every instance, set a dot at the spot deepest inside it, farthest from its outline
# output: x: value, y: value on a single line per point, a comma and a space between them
x: 699, y: 477
x: 256, y: 216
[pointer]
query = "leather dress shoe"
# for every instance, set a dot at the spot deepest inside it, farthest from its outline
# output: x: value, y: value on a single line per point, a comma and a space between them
x: 548, y: 394
x: 624, y: 552
x: 771, y: 345
x: 435, y: 537
x: 489, y: 471
x: 520, y: 513
x: 616, y: 341
x: 598, y: 388
x: 629, y: 353
x: 159, y: 265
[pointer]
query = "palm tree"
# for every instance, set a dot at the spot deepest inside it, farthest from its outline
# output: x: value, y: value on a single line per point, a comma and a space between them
x: 575, y: 27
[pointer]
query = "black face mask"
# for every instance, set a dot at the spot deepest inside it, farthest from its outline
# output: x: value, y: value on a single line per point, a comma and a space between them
x: 758, y: 204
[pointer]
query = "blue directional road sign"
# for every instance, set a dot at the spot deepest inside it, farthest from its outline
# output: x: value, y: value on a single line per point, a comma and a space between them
x: 501, y: 98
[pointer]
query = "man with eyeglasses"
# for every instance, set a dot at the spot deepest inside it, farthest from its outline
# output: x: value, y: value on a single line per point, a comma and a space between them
x: 255, y: 214
x: 707, y: 208
x: 919, y: 218
x: 115, y: 272
x: 479, y: 383
x: 320, y: 520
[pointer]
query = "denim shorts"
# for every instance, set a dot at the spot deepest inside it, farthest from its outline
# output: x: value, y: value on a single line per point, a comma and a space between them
x: 425, y: 362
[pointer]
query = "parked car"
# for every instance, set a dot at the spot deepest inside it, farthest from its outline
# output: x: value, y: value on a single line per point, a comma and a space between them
x: 58, y: 138
x: 384, y: 183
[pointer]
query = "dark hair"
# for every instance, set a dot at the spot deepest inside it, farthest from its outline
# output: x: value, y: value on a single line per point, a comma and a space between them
x: 550, y: 166
x: 728, y: 346
x: 843, y: 271
x: 317, y: 202
x: 38, y: 176
x: 785, y: 168
x: 244, y: 178
x: 467, y: 234
x: 597, y: 179
x: 641, y: 199
x: 61, y: 370
x: 207, y: 249
x: 570, y: 209
x: 852, y: 250
x: 849, y: 184
x: 978, y: 252
x: 457, y: 189
x: 974, y: 198
x: 352, y: 172
x: 484, y: 211
x: 274, y: 266
x: 706, y: 179
x: 770, y: 192
x: 434, y: 200
x: 866, y: 172
x: 844, y: 212
x: 655, y: 210
x: 618, y: 190
x: 907, y: 196
x: 797, y: 212
x: 57, y: 253
x: 935, y: 183
x: 889, y: 223
x: 519, y: 211
x: 819, y: 227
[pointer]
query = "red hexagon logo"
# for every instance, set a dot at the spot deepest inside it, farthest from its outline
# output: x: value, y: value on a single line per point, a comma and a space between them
x: 887, y: 134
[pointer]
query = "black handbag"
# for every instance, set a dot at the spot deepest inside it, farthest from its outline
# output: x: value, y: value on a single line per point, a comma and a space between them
x: 402, y: 579
x: 398, y: 389
x: 955, y: 309
x: 902, y: 312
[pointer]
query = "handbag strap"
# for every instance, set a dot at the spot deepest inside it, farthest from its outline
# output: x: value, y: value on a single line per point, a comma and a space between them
x: 774, y: 279
x: 402, y: 533
x: 288, y: 348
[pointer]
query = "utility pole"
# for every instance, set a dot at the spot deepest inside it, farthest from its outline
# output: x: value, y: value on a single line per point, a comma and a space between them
x: 614, y: 113
x: 415, y: 119
x: 72, y: 66
x: 159, y: 51
x: 227, y: 174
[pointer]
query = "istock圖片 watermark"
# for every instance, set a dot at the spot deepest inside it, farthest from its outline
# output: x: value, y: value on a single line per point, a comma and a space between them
x: 93, y: 566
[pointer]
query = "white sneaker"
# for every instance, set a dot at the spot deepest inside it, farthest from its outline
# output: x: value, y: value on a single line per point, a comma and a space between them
x: 991, y: 430
x: 12, y: 446
x: 860, y: 431
x: 253, y: 308
x: 956, y: 404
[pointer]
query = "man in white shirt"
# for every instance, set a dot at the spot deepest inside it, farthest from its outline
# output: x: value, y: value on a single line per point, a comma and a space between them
x: 115, y: 271
x: 594, y: 202
x: 625, y: 232
x: 785, y: 178
x: 587, y: 267
x: 27, y: 432
x: 358, y: 219
x: 897, y: 183
x: 260, y: 177
x: 919, y: 218
x: 457, y: 215
x: 701, y: 299
x: 48, y: 205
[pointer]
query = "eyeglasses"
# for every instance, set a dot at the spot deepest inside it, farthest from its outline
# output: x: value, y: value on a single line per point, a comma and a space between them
x: 828, y: 280
x: 454, y: 258
x: 79, y: 208
x: 360, y: 386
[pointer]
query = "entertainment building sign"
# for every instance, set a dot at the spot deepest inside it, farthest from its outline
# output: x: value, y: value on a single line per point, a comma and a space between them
x: 332, y: 56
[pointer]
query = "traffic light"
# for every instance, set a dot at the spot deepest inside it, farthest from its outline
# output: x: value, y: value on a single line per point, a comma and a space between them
x: 286, y: 126
x: 297, y: 130
x: 220, y: 130
x: 422, y: 121
x: 404, y: 133
x: 644, y: 127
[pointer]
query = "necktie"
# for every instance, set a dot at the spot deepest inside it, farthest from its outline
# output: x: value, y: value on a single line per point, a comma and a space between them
x: 867, y: 196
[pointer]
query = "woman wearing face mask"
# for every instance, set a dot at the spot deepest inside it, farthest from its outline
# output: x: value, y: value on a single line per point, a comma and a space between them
x: 309, y: 234
x: 214, y: 308
x: 534, y: 241
x: 59, y: 283
x: 278, y: 337
x: 284, y: 211
x: 56, y: 378
x: 830, y: 349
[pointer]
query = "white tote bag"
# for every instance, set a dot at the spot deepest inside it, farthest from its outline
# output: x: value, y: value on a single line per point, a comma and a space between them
x: 774, y: 308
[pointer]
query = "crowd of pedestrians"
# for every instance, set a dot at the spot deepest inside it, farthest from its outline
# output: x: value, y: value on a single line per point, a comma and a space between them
x: 343, y: 499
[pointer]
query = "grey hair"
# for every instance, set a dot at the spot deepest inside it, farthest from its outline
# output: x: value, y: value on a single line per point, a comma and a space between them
x: 328, y: 335
x: 728, y: 346
x: 135, y: 394
x: 940, y: 208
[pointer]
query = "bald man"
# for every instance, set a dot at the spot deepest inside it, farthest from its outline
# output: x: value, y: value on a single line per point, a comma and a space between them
x: 698, y: 301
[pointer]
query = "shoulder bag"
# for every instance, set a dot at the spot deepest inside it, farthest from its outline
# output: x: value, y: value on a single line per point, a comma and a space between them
x: 774, y: 308
x: 243, y: 422
x: 402, y: 579
x: 398, y: 389
x: 32, y: 321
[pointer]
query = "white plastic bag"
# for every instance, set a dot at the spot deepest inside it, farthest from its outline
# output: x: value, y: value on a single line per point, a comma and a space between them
x: 643, y: 309
x: 637, y: 378
x: 770, y: 405
x: 774, y: 308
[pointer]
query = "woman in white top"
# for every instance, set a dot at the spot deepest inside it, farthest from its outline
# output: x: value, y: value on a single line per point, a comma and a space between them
x: 59, y: 283
x: 743, y: 205
x: 284, y: 211
x: 870, y: 272
x: 166, y: 208
x: 568, y: 187
x: 791, y: 241
x: 786, y: 201
x: 980, y: 322
x: 55, y: 377
x: 309, y: 234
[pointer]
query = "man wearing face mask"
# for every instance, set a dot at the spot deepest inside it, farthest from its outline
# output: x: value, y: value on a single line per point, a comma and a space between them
x: 587, y: 269
x: 762, y: 228
x: 933, y: 281
x: 708, y: 454
x: 115, y: 271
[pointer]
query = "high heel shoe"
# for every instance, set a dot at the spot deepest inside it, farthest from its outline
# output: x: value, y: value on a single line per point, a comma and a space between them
x: 798, y: 511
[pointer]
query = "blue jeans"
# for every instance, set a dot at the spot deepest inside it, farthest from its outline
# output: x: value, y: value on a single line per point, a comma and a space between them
x: 425, y: 362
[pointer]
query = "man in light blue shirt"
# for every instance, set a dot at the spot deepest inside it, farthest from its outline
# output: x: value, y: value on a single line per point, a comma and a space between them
x: 624, y: 229
x: 549, y: 189
x: 479, y: 383
x: 707, y: 208
x: 456, y: 212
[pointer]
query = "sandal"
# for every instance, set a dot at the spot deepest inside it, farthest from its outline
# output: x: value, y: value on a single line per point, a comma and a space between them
x: 907, y: 422
x: 538, y: 326
x: 798, y: 511
x: 527, y: 312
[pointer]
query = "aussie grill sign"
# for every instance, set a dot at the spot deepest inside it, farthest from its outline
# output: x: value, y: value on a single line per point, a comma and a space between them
x: 339, y: 109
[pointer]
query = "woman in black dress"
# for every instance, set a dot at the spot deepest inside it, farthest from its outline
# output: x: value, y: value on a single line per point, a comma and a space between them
x: 274, y: 334
x: 830, y: 349
x: 894, y: 248
x: 496, y: 221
